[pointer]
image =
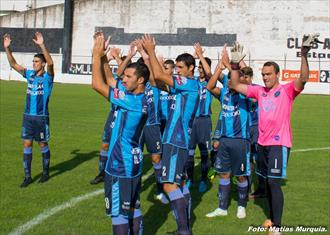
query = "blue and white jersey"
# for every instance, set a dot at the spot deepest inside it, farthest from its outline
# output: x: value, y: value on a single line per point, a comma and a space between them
x: 39, y: 89
x: 183, y: 107
x: 253, y: 113
x: 152, y: 94
x: 234, y: 115
x: 205, y: 100
x: 125, y: 154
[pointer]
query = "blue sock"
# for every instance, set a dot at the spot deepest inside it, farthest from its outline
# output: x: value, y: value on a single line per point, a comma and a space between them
x: 119, y: 225
x: 158, y: 175
x: 103, y: 160
x: 136, y: 224
x: 187, y: 197
x: 224, y: 191
x: 242, y: 191
x: 27, y: 159
x: 178, y: 205
x: 190, y: 165
x: 204, y: 166
x: 45, y: 159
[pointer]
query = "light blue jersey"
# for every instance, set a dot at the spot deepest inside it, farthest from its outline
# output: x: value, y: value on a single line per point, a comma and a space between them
x: 205, y: 100
x: 38, y: 92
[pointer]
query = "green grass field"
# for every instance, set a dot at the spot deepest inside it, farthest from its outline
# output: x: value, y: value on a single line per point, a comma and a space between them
x: 77, y: 116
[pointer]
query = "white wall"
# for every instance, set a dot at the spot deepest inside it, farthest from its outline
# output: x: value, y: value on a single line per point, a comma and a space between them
x: 263, y: 27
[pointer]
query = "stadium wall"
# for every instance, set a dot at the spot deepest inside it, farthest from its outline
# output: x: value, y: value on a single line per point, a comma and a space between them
x: 269, y: 30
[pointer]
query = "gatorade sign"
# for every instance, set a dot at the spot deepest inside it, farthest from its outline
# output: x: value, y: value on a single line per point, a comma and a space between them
x: 290, y: 75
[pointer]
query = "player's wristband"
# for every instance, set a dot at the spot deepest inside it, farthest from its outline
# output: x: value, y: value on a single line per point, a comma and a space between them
x: 234, y: 66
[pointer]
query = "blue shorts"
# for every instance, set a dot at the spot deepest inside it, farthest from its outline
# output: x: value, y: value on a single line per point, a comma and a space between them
x: 121, y: 194
x: 233, y: 157
x: 173, y: 164
x: 35, y: 128
x: 272, y: 161
x: 201, y: 133
x: 107, y: 129
x: 217, y: 135
x: 152, y: 138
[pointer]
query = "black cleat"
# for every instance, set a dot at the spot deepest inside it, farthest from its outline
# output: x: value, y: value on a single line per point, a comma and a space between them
x: 26, y: 182
x: 44, y: 178
x: 259, y: 193
x: 98, y: 179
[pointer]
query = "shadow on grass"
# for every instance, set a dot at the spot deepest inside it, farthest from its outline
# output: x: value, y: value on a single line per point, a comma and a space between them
x: 68, y: 165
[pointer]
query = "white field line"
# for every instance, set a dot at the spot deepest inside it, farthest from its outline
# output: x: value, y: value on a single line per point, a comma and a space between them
x: 73, y: 201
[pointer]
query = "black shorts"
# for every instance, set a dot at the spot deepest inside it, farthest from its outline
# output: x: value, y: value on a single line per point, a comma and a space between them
x: 272, y: 161
x: 35, y: 128
x: 201, y: 133
x: 233, y: 157
x: 151, y: 137
x: 121, y: 195
x: 173, y: 164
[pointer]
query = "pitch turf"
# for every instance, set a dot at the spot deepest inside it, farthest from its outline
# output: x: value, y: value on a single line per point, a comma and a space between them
x: 77, y: 118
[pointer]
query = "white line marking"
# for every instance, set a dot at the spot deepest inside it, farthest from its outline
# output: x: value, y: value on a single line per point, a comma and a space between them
x: 73, y: 201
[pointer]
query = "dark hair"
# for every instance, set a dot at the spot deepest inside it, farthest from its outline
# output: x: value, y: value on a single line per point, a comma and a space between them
x: 187, y: 59
x: 40, y: 56
x: 247, y: 71
x: 170, y: 62
x: 124, y: 57
x: 275, y: 65
x: 140, y: 60
x: 141, y: 70
x: 208, y: 61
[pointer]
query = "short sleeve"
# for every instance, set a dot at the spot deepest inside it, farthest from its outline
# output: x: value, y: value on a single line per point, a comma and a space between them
x: 184, y: 84
x: 291, y: 90
x: 252, y: 91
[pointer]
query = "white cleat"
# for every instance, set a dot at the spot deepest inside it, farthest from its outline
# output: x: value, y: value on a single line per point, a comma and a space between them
x: 241, y: 214
x: 217, y: 212
x: 162, y: 198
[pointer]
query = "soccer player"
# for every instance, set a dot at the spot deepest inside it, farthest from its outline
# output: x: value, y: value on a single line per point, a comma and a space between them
x: 35, y: 117
x: 113, y: 53
x: 124, y: 164
x: 151, y: 136
x: 275, y: 138
x: 233, y: 155
x: 183, y: 106
x: 164, y: 97
x: 202, y: 125
x: 260, y: 190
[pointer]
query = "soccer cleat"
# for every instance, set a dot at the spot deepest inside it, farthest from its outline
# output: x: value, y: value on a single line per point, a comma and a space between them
x: 259, y: 193
x: 162, y: 198
x: 202, y: 187
x: 211, y: 173
x: 98, y: 179
x: 217, y: 212
x: 26, y: 182
x: 44, y: 178
x: 267, y: 224
x: 241, y: 214
x: 189, y: 184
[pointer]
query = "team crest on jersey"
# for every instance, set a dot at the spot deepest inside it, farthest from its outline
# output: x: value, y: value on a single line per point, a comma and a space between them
x: 118, y: 94
x: 181, y: 80
x: 277, y: 93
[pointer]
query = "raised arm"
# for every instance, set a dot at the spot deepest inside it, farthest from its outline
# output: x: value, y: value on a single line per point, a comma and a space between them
x: 211, y: 84
x: 98, y: 79
x: 199, y: 52
x: 236, y: 57
x: 39, y: 40
x: 149, y: 45
x: 308, y: 41
x: 10, y: 57
x: 131, y: 52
